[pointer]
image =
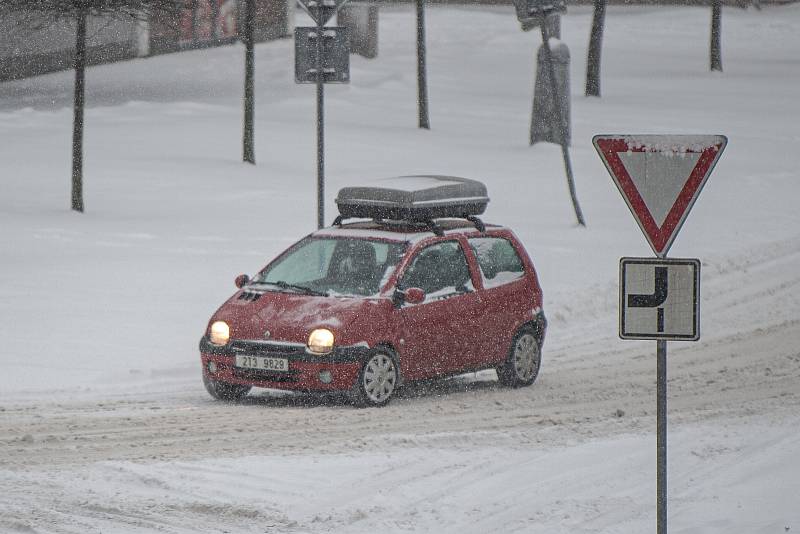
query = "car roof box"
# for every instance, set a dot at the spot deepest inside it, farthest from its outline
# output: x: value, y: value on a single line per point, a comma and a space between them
x: 414, y: 198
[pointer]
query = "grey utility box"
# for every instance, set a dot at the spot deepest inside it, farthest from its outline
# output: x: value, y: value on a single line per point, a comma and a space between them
x: 361, y: 21
x: 531, y: 12
x: 335, y: 55
x: 544, y: 120
x: 414, y: 198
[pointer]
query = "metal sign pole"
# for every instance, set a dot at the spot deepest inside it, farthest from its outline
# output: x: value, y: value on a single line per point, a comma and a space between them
x: 422, y: 80
x: 661, y: 420
x: 668, y: 311
x: 321, y: 55
x: 562, y: 136
x: 320, y: 127
x: 661, y: 437
x: 648, y: 163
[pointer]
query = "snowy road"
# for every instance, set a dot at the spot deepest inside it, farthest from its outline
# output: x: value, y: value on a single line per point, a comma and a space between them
x: 591, y: 386
x: 576, y: 400
x: 573, y: 453
x: 105, y: 426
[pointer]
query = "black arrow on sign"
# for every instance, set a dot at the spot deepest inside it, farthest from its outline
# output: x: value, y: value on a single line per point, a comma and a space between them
x: 656, y: 299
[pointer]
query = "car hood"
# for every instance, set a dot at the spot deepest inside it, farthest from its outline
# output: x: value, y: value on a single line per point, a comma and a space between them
x: 290, y: 317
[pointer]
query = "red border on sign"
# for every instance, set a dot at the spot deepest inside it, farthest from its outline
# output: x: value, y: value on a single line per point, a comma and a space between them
x: 659, y: 237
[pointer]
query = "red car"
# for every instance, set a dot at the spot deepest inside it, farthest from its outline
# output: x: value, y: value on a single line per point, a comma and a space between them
x: 424, y: 289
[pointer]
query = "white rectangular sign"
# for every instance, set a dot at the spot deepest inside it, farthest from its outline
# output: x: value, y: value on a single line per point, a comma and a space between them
x: 659, y: 299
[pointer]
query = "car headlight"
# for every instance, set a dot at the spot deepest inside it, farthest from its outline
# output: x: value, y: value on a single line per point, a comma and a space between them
x: 320, y: 341
x: 220, y: 333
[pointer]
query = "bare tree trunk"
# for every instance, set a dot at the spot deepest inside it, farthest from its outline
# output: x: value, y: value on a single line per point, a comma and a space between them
x: 215, y: 34
x: 193, y: 5
x: 422, y: 80
x: 716, y: 31
x: 595, y: 49
x: 249, y: 155
x: 77, y: 123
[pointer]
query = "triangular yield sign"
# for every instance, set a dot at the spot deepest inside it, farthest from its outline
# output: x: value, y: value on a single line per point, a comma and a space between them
x: 660, y: 177
x: 321, y: 9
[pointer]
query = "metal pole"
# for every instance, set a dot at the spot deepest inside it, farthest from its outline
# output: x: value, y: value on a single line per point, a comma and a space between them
x: 248, y: 150
x: 661, y: 437
x: 560, y: 120
x: 320, y: 128
x: 422, y: 79
x: 716, y: 46
x: 78, y: 105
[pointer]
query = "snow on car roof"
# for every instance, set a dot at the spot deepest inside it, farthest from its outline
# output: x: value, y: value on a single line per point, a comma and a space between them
x: 398, y: 230
x: 415, y: 182
x: 366, y: 233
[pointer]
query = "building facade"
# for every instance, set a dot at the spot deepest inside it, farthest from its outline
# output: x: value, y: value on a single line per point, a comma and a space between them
x: 29, y: 48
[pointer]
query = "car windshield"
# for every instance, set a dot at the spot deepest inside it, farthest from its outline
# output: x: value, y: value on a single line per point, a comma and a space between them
x: 334, y: 266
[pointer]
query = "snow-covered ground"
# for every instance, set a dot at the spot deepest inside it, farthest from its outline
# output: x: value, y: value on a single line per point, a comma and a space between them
x: 105, y: 426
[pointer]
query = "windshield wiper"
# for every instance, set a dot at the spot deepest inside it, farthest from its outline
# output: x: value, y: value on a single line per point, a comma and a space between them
x: 303, y: 289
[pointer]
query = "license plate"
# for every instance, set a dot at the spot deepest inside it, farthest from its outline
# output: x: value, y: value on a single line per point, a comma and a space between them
x: 262, y: 363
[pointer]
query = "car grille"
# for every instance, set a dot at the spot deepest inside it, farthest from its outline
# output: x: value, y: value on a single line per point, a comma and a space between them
x: 267, y: 376
x: 250, y: 296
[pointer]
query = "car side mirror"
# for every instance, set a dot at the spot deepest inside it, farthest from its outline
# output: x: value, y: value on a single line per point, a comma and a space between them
x: 241, y: 280
x: 414, y: 295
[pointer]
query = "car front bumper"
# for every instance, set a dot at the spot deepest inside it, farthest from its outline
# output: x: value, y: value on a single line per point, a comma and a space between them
x: 336, y: 371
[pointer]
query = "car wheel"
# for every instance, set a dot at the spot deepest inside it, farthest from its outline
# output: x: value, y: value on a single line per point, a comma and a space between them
x: 224, y: 391
x: 524, y: 360
x: 378, y: 379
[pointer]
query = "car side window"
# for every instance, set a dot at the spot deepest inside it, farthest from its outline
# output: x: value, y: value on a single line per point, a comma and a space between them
x: 498, y: 260
x: 440, y: 270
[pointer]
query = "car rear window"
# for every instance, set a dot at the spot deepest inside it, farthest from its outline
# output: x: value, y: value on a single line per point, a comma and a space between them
x: 498, y: 260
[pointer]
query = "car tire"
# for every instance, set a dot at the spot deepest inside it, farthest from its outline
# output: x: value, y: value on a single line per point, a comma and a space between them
x: 524, y: 359
x: 224, y: 391
x: 377, y: 380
